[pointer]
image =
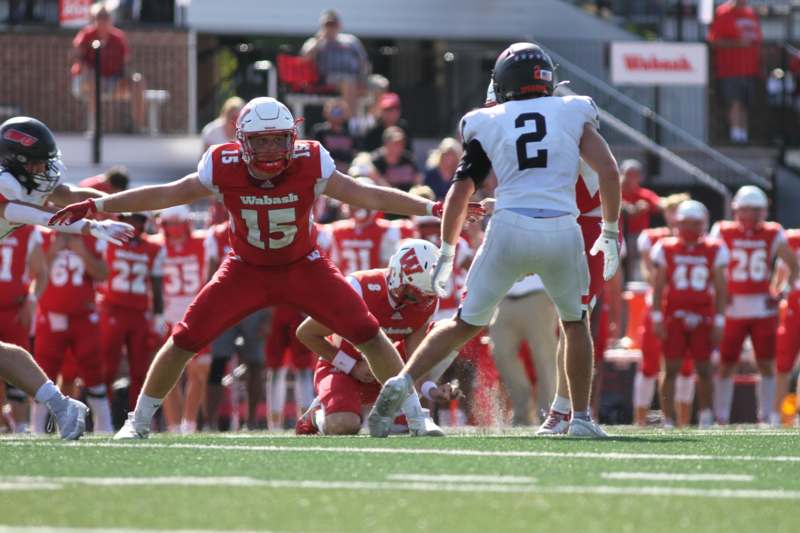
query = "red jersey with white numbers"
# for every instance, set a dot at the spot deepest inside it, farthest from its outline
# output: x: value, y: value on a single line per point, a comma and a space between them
x: 649, y: 237
x: 356, y: 248
x: 793, y: 240
x: 396, y: 322
x: 15, y: 249
x: 690, y: 272
x: 130, y: 268
x: 271, y: 220
x: 752, y: 254
x: 218, y: 243
x: 184, y: 273
x: 70, y: 289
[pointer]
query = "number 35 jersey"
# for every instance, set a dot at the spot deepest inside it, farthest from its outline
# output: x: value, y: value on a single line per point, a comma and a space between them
x: 271, y: 220
x: 533, y: 147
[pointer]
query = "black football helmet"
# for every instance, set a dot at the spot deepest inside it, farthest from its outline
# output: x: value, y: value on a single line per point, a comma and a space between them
x: 523, y: 70
x: 24, y: 140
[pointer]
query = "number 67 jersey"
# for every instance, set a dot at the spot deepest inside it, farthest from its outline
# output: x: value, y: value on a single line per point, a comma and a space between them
x: 533, y: 146
x: 271, y: 220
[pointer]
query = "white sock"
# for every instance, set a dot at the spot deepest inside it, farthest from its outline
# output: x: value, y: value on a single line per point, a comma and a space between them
x: 319, y: 421
x: 278, y: 400
x: 684, y: 389
x: 146, y: 407
x: 643, y: 389
x: 723, y: 398
x: 101, y: 409
x: 21, y: 427
x: 47, y: 391
x: 561, y: 405
x: 38, y: 418
x: 766, y: 397
x: 188, y: 427
x: 304, y: 388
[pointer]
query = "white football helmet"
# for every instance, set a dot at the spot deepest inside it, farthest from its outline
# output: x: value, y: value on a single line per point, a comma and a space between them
x: 266, y: 131
x: 410, y: 277
x: 750, y: 196
x: 691, y: 210
x: 175, y: 222
x: 176, y: 213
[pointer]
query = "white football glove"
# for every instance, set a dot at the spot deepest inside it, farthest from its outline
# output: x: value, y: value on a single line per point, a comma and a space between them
x: 110, y: 230
x: 608, y: 243
x: 443, y: 269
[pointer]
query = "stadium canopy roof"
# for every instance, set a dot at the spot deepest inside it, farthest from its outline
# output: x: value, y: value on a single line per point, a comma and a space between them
x: 475, y: 20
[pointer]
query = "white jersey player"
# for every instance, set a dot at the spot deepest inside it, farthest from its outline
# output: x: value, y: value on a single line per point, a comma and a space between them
x: 534, y: 142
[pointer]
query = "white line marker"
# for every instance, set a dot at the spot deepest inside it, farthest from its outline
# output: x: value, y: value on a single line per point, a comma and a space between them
x: 61, y: 529
x: 666, y: 476
x: 609, y: 456
x: 183, y: 481
x: 434, y: 478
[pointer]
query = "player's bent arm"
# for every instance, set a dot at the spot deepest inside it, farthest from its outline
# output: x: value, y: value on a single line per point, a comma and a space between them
x: 37, y: 266
x: 152, y: 197
x: 455, y: 209
x: 22, y: 213
x: 720, y: 290
x: 347, y: 190
x: 659, y: 282
x: 597, y: 154
x: 66, y: 194
x: 785, y: 253
x: 313, y: 335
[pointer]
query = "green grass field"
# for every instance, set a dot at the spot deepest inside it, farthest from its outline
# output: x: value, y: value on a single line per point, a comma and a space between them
x: 650, y: 481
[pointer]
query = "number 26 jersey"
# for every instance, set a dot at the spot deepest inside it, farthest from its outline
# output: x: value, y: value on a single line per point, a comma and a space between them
x: 534, y: 148
x: 271, y: 220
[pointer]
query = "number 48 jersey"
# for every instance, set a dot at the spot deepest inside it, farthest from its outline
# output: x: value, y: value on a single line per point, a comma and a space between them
x: 533, y: 147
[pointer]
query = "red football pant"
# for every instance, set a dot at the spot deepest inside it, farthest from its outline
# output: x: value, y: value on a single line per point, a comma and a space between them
x: 11, y: 330
x: 688, y: 344
x: 652, y: 349
x: 313, y: 286
x: 123, y: 327
x: 788, y: 340
x: 762, y: 331
x: 342, y: 393
x: 80, y: 336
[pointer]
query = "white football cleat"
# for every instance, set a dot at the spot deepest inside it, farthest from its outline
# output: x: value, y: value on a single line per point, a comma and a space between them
x: 424, y: 427
x: 585, y: 428
x: 393, y: 394
x: 705, y: 419
x: 775, y: 420
x: 555, y: 424
x: 129, y: 431
x: 71, y: 420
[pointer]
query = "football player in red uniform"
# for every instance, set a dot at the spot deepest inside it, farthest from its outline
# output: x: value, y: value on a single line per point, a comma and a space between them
x: 268, y: 181
x: 788, y: 340
x: 689, y: 297
x: 133, y: 303
x: 184, y: 274
x: 21, y: 260
x: 752, y: 310
x: 401, y: 297
x: 67, y: 321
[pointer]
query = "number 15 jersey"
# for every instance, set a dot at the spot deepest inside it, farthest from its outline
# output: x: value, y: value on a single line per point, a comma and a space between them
x: 271, y: 220
x: 534, y: 148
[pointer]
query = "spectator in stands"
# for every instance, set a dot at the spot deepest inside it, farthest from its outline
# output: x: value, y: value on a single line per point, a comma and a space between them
x: 223, y: 128
x: 114, y: 54
x: 115, y: 179
x: 377, y: 86
x: 638, y: 205
x: 735, y: 37
x: 334, y: 133
x: 442, y: 163
x: 390, y: 116
x: 394, y: 165
x: 340, y: 57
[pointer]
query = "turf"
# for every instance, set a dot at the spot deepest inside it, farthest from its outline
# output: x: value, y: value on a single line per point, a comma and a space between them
x: 515, y: 483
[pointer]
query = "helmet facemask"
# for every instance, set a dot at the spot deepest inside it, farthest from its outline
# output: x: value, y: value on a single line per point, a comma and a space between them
x: 267, y: 153
x: 690, y: 230
x: 750, y: 217
x: 42, y: 179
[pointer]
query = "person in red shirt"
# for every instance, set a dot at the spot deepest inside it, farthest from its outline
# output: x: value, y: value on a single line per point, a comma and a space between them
x: 752, y: 310
x: 735, y: 38
x: 67, y: 321
x: 788, y: 340
x: 269, y: 182
x: 21, y: 261
x: 689, y: 299
x: 115, y: 179
x: 114, y: 55
x: 402, y: 299
x: 638, y: 206
x: 133, y: 304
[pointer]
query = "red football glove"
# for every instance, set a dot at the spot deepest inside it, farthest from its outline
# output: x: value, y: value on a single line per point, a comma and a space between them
x: 475, y: 211
x: 74, y: 212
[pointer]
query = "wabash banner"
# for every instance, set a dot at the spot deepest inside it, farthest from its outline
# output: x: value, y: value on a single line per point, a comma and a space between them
x: 644, y: 63
x: 73, y: 13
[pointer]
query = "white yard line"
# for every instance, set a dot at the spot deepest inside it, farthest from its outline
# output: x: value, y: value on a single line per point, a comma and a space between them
x: 439, y: 478
x: 667, y: 476
x: 62, y: 529
x: 609, y: 456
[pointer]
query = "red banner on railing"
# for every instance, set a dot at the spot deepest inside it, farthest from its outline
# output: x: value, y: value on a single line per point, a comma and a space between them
x: 73, y: 13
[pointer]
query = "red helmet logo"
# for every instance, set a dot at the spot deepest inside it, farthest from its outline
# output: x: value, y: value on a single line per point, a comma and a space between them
x: 20, y: 137
x: 409, y: 263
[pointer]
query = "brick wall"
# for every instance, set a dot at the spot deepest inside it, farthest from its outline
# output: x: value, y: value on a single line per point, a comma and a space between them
x: 35, y: 77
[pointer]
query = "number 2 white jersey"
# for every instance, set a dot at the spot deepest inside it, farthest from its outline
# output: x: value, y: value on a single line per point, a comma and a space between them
x: 534, y: 148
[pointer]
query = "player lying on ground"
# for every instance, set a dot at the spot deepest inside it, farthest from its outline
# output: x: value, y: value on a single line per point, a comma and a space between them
x: 401, y: 297
x: 31, y: 175
x: 268, y: 181
x: 533, y: 141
